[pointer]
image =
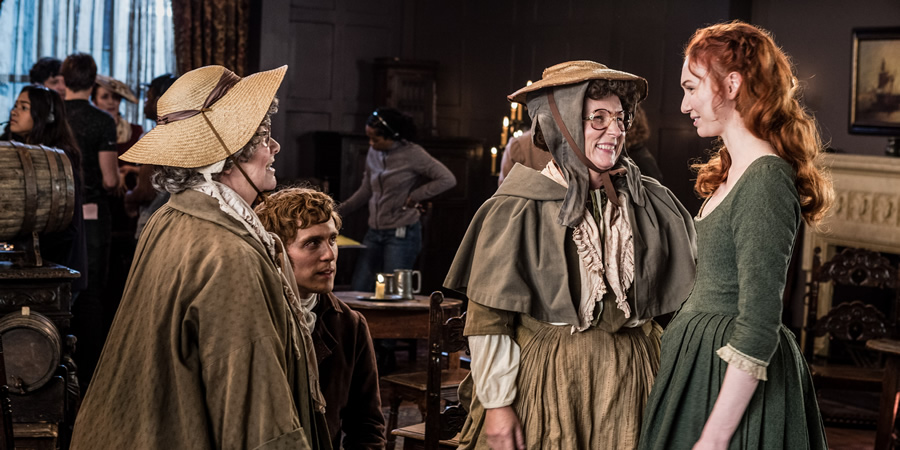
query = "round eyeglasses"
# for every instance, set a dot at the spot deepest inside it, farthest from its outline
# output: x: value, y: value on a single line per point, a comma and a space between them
x: 601, y: 118
x: 265, y: 135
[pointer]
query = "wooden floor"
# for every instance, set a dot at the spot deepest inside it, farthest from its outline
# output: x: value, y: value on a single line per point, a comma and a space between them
x: 850, y: 439
x: 838, y: 438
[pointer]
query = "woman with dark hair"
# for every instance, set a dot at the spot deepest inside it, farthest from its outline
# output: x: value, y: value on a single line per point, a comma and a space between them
x: 732, y: 375
x: 564, y: 270
x: 39, y: 117
x: 399, y: 175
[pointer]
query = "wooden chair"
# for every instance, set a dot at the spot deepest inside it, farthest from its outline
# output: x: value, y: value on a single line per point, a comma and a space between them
x: 886, y: 436
x: 849, y: 324
x: 440, y: 427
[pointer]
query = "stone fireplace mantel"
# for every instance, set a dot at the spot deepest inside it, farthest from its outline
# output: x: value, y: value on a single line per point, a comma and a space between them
x: 866, y: 213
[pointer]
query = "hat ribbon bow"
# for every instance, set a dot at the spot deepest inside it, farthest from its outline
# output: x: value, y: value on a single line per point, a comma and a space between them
x: 226, y: 82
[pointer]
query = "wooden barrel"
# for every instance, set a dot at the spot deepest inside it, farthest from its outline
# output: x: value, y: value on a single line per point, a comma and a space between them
x: 37, y: 190
x: 31, y: 350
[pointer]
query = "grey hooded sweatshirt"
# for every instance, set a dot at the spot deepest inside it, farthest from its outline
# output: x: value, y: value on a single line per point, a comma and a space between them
x: 404, y: 171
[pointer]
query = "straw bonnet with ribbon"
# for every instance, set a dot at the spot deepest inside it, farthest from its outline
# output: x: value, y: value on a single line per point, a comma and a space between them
x: 117, y: 87
x: 555, y: 104
x: 207, y: 115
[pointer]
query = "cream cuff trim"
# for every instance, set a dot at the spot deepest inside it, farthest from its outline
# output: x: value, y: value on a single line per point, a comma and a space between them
x: 755, y: 367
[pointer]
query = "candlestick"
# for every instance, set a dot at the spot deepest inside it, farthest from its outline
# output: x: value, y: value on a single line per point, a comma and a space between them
x: 493, y: 160
x: 519, y: 114
x: 504, y: 135
x: 512, y: 110
x: 379, y: 286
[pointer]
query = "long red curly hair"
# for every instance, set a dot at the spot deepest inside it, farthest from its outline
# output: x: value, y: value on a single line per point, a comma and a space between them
x: 768, y: 102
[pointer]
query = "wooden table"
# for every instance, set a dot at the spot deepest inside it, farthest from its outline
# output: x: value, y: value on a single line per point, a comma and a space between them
x: 887, y: 412
x: 397, y: 319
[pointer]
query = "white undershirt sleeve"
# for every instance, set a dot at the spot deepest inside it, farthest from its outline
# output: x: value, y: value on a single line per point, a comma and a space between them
x: 495, y: 366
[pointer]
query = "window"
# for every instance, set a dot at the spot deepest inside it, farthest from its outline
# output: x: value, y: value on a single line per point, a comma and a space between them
x: 131, y: 40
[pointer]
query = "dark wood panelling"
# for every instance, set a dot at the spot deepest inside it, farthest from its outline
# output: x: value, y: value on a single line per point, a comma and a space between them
x: 356, y: 72
x: 315, y: 4
x: 485, y: 50
x: 298, y: 158
x: 680, y: 146
x: 311, y: 42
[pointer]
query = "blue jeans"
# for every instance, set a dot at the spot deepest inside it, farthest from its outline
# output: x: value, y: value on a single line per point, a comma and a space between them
x: 385, y: 252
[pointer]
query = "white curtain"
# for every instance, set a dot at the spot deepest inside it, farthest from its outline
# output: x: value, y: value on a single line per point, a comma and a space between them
x: 131, y: 40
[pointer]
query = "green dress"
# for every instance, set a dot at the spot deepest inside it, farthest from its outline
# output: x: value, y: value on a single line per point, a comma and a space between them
x: 744, y: 249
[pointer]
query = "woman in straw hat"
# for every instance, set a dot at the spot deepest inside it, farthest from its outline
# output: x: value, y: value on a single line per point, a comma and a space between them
x: 731, y: 375
x: 107, y: 95
x: 211, y: 345
x: 564, y: 269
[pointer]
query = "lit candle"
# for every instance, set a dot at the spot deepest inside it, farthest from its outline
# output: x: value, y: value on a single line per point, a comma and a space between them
x: 519, y: 114
x: 512, y: 110
x: 493, y: 160
x: 379, y: 286
x: 504, y: 135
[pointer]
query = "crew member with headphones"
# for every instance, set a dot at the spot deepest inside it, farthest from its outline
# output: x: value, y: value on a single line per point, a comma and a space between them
x: 399, y: 175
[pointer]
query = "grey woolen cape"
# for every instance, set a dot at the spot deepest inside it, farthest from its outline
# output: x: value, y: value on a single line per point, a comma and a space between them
x: 517, y: 253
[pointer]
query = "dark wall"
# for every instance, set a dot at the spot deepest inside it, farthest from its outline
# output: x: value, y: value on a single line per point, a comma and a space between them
x: 817, y: 34
x: 487, y: 49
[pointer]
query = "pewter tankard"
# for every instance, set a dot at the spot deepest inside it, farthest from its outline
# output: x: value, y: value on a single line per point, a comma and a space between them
x: 404, y: 282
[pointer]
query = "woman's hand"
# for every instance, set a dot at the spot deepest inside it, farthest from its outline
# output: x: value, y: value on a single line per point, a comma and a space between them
x: 503, y: 429
x: 737, y: 390
x: 411, y: 204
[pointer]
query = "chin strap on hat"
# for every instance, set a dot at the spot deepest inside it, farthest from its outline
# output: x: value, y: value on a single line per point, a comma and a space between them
x: 260, y: 197
x: 604, y: 174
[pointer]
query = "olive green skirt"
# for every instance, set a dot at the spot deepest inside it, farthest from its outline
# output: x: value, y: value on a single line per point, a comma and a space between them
x: 782, y: 414
x: 575, y: 391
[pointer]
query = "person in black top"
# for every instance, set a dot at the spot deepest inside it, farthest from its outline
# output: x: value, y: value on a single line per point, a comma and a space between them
x: 95, y: 132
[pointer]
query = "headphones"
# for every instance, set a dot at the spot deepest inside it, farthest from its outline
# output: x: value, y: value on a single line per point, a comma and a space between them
x: 50, y: 117
x: 394, y: 135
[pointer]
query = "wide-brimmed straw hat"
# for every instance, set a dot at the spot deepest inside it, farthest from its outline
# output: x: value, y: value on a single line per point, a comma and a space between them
x: 575, y: 72
x: 115, y: 86
x: 202, y: 107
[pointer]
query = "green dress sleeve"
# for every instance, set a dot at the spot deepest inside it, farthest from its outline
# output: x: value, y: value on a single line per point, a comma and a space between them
x: 765, y: 217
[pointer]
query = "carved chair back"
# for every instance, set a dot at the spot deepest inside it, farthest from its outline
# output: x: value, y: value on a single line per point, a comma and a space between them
x: 445, y: 338
x: 856, y: 321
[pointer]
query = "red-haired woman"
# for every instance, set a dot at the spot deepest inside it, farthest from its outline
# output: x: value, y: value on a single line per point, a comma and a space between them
x: 731, y: 375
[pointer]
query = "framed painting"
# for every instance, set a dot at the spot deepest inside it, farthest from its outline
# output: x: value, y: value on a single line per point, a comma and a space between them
x: 875, y: 82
